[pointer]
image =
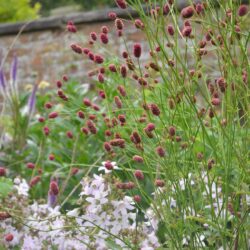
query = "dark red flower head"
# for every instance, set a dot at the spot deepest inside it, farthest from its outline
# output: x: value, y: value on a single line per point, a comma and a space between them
x: 121, y: 4
x: 243, y: 9
x: 137, y: 50
x: 187, y: 12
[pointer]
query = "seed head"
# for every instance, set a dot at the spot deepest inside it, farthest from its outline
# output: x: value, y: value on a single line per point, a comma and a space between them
x: 137, y: 198
x: 187, y: 12
x: 54, y: 187
x: 91, y: 126
x: 243, y: 10
x: 98, y: 59
x: 117, y: 143
x: 171, y: 131
x: 74, y: 171
x: 105, y: 29
x: 118, y: 102
x: 112, y: 15
x: 123, y: 71
x: 53, y: 115
x: 107, y: 146
x: 121, y: 4
x: 35, y: 180
x: 160, y: 151
x: 112, y: 68
x: 139, y: 24
x: 41, y: 119
x: 51, y: 157
x: 186, y: 31
x: 170, y: 29
x: 76, y: 48
x: 137, y: 50
x: 80, y: 114
x: 135, y: 137
x: 46, y: 130
x: 122, y: 90
x: 139, y: 175
x: 101, y: 78
x: 93, y: 36
x: 138, y: 158
x: 199, y: 8
x: 108, y: 165
x: 102, y: 94
x: 119, y: 24
x: 9, y: 237
x: 87, y: 102
x: 155, y: 109
x: 85, y: 130
x: 215, y: 101
x: 2, y: 171
x: 71, y: 27
x: 30, y: 165
x: 104, y: 38
x: 150, y: 127
x: 69, y: 134
x: 159, y: 183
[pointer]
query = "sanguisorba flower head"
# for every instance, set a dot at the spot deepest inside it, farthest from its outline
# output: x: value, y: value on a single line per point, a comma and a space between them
x: 121, y: 4
x: 137, y: 50
x: 243, y: 10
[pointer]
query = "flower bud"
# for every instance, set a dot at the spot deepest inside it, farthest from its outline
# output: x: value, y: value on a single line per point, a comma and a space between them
x: 155, y: 109
x: 137, y: 198
x: 98, y: 59
x: 53, y: 115
x: 69, y: 134
x: 9, y: 237
x: 104, y: 38
x: 159, y: 183
x: 187, y: 12
x: 119, y: 24
x: 160, y: 151
x: 2, y: 171
x: 137, y: 50
x: 30, y: 165
x: 139, y: 175
x: 54, y: 187
x: 121, y: 4
x: 243, y: 9
x: 112, y: 15
x: 138, y: 158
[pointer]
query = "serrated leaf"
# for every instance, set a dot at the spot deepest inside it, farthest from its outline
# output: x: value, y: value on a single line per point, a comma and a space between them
x: 6, y: 186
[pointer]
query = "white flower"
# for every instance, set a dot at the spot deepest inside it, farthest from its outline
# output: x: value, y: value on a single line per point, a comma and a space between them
x: 21, y: 186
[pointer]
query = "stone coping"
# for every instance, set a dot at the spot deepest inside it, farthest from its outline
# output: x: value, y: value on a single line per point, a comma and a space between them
x: 78, y: 18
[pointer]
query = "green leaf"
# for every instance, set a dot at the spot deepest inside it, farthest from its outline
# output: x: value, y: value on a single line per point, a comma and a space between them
x: 112, y: 245
x: 6, y: 186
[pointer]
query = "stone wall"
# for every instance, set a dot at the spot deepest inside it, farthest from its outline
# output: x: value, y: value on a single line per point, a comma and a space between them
x: 43, y: 46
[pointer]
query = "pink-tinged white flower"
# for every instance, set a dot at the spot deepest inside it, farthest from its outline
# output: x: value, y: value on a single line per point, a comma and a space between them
x: 105, y: 169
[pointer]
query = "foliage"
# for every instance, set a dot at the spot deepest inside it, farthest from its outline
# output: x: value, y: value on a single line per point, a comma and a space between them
x: 18, y: 10
x: 48, y: 5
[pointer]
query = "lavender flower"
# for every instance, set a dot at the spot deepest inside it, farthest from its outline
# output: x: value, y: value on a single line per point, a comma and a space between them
x: 32, y: 100
x: 14, y: 70
x: 2, y: 80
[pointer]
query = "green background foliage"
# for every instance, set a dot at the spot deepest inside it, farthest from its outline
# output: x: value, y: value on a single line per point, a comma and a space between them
x: 18, y: 10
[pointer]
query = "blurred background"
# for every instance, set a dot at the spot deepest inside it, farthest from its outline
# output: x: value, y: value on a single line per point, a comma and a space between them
x: 23, y: 10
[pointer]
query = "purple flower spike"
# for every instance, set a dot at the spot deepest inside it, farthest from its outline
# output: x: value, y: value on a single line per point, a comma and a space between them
x: 32, y: 99
x: 2, y: 80
x: 14, y: 70
x: 52, y: 199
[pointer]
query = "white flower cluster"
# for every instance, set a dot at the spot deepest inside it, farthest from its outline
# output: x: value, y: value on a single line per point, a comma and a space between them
x: 102, y: 217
